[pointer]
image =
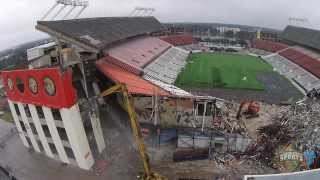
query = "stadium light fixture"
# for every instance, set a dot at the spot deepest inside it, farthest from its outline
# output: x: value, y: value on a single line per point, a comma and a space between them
x: 142, y: 11
x: 73, y: 3
x: 65, y: 3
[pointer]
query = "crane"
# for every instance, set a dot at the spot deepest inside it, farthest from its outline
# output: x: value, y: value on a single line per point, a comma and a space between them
x: 128, y: 104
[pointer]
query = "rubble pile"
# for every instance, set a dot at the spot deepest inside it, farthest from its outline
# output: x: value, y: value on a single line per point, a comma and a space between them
x: 270, y: 138
x: 273, y: 142
x: 225, y: 119
x: 302, y: 121
x: 298, y: 124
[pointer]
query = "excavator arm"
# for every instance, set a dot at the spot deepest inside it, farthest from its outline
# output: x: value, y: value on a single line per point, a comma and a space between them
x: 128, y: 104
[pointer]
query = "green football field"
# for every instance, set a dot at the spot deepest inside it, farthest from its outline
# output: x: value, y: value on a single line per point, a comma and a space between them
x: 208, y: 70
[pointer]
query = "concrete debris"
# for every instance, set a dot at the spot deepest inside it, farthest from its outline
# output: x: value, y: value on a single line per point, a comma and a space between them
x: 270, y: 138
x: 298, y: 125
x: 279, y: 127
x: 222, y: 159
x: 302, y: 121
x: 224, y: 119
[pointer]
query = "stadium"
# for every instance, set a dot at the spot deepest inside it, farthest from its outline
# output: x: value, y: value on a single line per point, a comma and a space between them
x: 215, y: 104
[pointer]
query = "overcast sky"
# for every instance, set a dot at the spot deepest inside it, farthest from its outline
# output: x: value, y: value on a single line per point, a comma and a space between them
x: 18, y: 17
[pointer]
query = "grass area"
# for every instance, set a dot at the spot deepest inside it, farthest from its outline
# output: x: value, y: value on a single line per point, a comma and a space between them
x: 209, y: 70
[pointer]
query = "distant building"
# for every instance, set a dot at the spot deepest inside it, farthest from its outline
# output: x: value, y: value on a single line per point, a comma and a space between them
x: 42, y: 56
x: 224, y: 29
x: 268, y: 35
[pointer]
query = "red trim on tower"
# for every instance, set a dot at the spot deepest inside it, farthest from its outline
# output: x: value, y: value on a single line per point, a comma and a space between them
x: 65, y: 94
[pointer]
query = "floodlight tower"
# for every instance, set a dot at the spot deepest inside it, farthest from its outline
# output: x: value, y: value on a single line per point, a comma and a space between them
x: 142, y: 11
x: 65, y: 3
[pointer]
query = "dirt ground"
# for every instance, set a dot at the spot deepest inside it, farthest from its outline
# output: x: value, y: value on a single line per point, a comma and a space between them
x: 265, y: 114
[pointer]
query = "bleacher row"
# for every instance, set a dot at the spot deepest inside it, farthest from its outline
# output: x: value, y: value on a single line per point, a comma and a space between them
x: 308, y: 52
x: 172, y: 89
x: 292, y: 71
x: 152, y: 58
x: 258, y: 52
x: 291, y: 62
x: 268, y: 45
x: 192, y: 47
x: 167, y: 67
x: 178, y: 40
x: 307, y: 62
x: 137, y: 53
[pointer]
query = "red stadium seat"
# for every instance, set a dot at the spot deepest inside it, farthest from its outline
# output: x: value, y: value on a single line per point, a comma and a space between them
x: 137, y: 53
x: 179, y: 40
x: 268, y: 45
x: 308, y: 63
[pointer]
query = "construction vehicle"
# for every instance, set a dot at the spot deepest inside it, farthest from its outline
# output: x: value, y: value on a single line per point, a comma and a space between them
x: 249, y: 109
x: 128, y: 105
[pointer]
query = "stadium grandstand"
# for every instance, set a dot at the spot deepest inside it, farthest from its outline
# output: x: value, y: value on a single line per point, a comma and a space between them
x: 199, y: 93
x: 167, y: 67
x: 136, y: 53
x: 99, y: 33
x: 301, y: 36
x: 138, y: 46
x: 130, y: 50
x: 145, y: 52
x: 296, y: 57
x: 268, y: 45
x: 179, y: 40
x: 233, y: 99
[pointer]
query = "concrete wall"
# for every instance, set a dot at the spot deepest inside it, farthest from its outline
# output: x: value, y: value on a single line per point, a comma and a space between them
x: 303, y: 175
x: 172, y: 112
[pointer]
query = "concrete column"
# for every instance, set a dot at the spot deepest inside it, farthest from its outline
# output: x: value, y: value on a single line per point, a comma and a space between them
x: 77, y: 137
x: 97, y: 131
x: 27, y: 125
x: 97, y: 92
x: 55, y: 135
x: 16, y: 120
x: 203, y: 116
x: 37, y: 124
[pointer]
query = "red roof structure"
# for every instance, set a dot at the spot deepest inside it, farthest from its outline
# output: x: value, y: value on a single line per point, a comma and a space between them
x: 135, y: 84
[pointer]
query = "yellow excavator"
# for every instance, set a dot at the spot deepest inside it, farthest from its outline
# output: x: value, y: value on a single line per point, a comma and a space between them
x: 128, y: 104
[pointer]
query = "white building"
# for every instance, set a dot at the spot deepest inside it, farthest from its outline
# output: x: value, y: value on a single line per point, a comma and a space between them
x: 224, y: 29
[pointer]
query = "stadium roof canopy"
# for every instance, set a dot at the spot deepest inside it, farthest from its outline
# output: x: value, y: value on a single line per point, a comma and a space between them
x: 95, y: 34
x: 302, y: 36
x: 135, y: 84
